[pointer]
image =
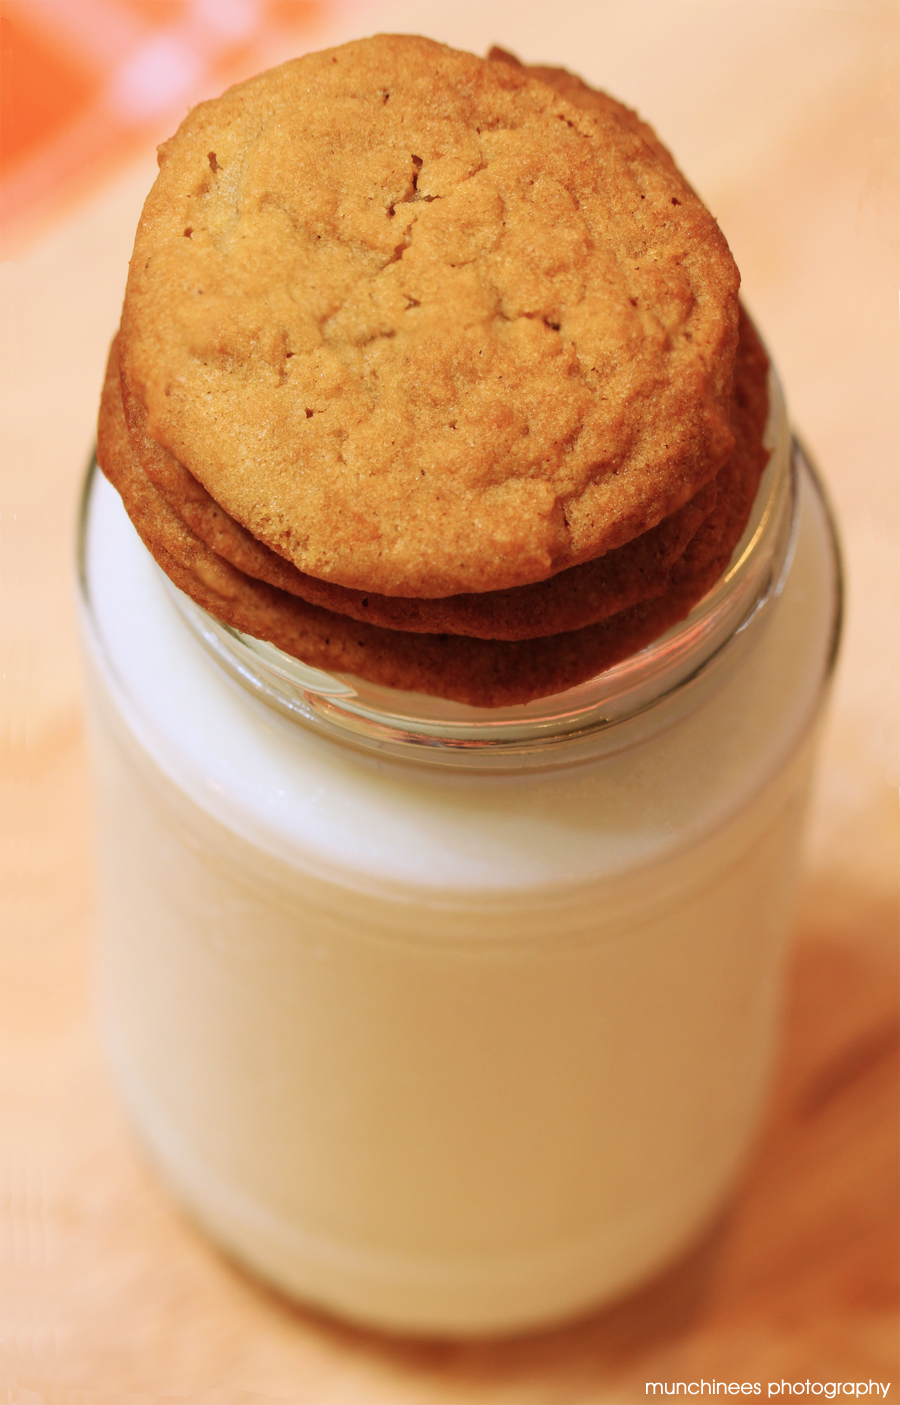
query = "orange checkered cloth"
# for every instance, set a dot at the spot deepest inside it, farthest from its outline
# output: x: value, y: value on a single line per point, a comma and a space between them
x: 86, y: 83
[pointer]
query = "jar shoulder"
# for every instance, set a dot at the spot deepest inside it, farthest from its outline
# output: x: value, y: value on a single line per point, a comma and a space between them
x: 321, y: 805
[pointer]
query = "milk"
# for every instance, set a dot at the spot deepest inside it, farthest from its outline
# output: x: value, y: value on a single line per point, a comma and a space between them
x: 438, y: 1048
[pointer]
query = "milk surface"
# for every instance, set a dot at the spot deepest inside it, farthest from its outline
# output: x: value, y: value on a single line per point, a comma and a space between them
x: 443, y: 1050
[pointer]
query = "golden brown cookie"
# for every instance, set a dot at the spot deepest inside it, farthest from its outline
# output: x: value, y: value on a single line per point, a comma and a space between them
x: 640, y: 570
x: 480, y: 672
x: 423, y: 326
x: 582, y: 595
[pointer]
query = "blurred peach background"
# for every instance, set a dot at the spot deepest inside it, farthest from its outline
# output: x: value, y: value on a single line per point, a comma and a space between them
x: 784, y: 116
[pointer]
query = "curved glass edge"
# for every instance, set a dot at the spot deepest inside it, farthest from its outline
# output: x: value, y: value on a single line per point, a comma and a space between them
x: 806, y: 464
x: 567, y: 727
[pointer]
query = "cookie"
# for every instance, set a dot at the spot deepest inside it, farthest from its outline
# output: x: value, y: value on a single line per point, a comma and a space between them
x: 583, y: 595
x: 480, y: 672
x: 423, y: 326
x: 572, y: 599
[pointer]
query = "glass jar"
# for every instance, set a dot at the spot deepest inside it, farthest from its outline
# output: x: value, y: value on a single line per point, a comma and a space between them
x: 454, y: 1020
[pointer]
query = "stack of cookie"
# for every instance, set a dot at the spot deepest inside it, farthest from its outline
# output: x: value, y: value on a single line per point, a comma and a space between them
x: 432, y: 371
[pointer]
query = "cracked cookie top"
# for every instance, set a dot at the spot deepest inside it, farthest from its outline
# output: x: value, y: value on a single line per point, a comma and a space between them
x: 425, y: 327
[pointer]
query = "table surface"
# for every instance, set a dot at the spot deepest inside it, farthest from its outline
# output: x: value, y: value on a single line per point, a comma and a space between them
x: 785, y: 118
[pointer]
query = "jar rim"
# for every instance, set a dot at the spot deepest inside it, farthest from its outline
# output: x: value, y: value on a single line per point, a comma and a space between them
x: 553, y: 729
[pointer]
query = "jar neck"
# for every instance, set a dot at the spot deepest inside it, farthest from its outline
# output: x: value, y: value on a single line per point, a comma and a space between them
x: 643, y: 692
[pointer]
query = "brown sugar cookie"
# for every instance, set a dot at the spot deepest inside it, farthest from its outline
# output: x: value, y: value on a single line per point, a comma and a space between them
x: 479, y: 672
x: 582, y: 595
x: 482, y: 673
x: 425, y: 327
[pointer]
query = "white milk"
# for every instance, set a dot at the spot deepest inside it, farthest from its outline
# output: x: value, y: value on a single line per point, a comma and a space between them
x: 443, y: 1048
